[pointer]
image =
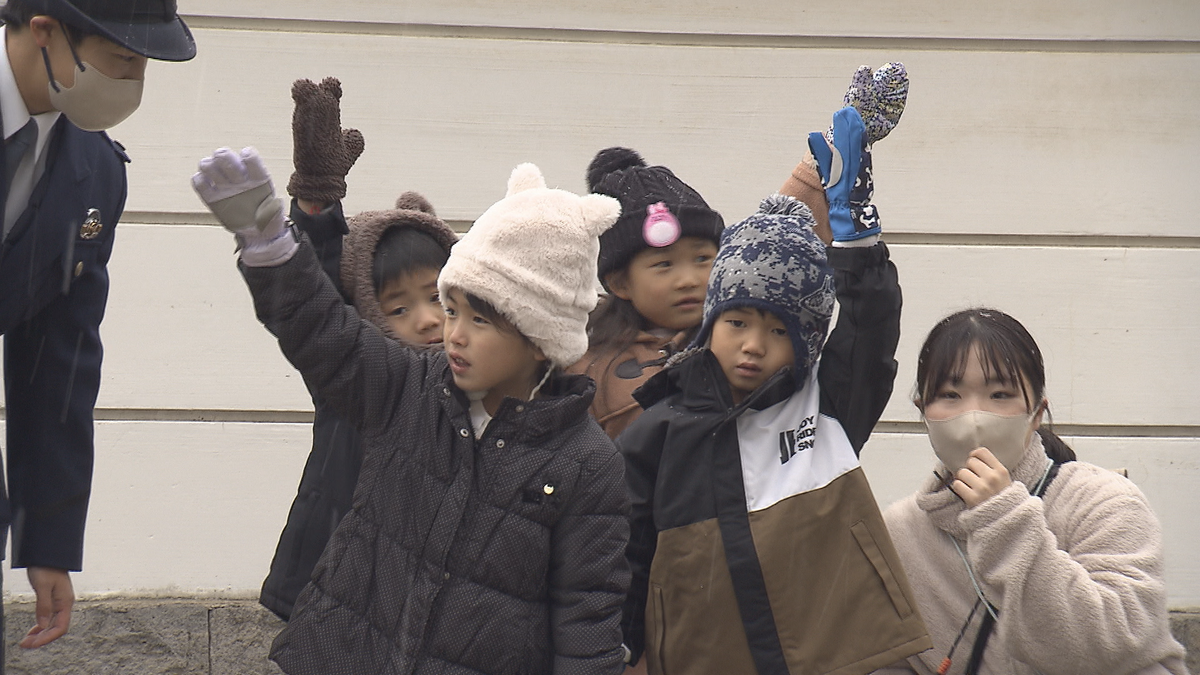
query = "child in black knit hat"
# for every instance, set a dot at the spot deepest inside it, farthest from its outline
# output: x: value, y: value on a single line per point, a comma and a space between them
x: 654, y: 263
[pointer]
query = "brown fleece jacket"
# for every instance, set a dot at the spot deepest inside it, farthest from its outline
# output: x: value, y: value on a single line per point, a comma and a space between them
x: 618, y: 374
x: 358, y: 249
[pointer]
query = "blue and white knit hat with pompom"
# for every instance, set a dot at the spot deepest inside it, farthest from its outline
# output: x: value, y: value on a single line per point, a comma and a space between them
x: 774, y: 261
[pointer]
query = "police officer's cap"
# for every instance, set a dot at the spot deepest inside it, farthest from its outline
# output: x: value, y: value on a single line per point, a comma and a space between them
x: 151, y: 28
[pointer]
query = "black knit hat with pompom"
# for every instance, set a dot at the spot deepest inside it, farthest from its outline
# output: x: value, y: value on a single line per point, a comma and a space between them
x: 656, y: 207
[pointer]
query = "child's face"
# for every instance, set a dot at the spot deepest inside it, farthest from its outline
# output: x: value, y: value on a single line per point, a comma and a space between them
x: 751, y: 345
x: 412, y: 308
x: 485, y: 358
x: 667, y: 285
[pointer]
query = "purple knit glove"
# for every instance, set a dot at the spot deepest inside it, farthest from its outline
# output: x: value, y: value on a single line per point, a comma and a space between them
x: 237, y: 188
x: 879, y: 97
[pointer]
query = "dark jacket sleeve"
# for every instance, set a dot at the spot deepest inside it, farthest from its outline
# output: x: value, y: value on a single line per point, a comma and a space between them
x: 330, y: 475
x: 346, y: 361
x: 641, y: 446
x: 589, y: 575
x: 858, y: 365
x: 52, y: 377
x: 325, y: 230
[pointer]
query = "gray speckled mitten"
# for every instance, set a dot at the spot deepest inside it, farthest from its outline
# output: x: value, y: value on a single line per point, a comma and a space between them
x: 879, y: 97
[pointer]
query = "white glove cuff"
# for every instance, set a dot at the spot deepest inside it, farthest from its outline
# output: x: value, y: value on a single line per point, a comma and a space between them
x: 273, y: 252
x: 865, y: 242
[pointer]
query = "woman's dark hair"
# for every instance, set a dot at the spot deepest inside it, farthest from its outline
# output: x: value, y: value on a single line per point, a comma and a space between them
x: 403, y: 250
x: 16, y: 15
x: 1007, y: 353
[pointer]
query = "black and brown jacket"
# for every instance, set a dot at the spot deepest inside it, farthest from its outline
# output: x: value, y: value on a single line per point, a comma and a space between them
x: 756, y: 543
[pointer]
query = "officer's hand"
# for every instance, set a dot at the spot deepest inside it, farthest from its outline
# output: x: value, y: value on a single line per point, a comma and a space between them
x: 55, y: 598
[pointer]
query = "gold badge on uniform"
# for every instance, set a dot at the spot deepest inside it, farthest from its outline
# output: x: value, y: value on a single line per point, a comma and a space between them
x: 90, y: 229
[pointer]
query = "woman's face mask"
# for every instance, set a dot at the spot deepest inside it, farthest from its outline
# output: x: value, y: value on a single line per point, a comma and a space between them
x: 1005, y: 436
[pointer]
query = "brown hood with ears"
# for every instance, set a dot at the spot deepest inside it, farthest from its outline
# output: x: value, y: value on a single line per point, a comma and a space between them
x: 358, y: 249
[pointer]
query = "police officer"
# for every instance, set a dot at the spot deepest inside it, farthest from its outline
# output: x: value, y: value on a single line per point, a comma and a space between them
x: 70, y: 69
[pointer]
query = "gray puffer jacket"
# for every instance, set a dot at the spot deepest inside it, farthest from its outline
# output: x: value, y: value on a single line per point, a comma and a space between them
x: 459, y: 556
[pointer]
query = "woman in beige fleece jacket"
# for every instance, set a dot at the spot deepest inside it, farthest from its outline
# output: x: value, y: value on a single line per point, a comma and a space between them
x: 1073, y: 579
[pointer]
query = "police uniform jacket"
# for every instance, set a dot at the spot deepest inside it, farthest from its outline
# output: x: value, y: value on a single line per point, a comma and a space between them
x: 53, y: 289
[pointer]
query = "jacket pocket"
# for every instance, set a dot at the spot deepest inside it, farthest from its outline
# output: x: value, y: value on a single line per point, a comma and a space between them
x: 83, y: 258
x: 866, y: 541
x: 655, y: 631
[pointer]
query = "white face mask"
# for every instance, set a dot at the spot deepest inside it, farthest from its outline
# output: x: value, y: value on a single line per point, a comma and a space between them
x: 96, y: 102
x: 953, y: 439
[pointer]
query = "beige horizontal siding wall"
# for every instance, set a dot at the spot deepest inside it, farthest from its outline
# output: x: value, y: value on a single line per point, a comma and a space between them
x: 1046, y: 165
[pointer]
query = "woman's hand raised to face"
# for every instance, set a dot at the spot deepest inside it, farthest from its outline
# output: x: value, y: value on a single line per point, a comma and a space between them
x: 982, y: 478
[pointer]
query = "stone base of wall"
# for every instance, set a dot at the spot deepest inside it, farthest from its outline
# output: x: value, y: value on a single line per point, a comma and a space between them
x: 217, y: 637
x: 144, y: 636
x: 1185, y: 624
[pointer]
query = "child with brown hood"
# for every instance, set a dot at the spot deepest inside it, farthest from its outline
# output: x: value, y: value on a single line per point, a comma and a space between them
x: 385, y: 263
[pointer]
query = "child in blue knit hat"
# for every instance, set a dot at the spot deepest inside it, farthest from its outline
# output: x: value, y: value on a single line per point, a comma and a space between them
x: 756, y: 543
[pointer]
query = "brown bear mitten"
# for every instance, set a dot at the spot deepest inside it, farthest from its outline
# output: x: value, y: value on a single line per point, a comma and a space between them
x: 322, y: 151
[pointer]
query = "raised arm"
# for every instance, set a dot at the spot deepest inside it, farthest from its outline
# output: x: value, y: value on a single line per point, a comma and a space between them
x: 835, y: 179
x: 347, y: 361
x: 858, y: 367
x: 322, y: 155
x: 325, y: 227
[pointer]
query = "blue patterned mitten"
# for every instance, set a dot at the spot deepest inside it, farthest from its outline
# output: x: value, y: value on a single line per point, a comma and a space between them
x: 845, y: 169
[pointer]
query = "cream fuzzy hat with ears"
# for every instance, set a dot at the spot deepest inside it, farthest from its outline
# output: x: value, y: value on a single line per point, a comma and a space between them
x: 532, y: 256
